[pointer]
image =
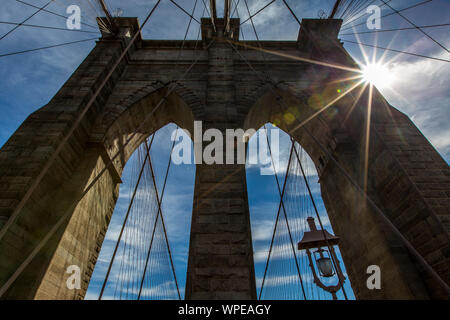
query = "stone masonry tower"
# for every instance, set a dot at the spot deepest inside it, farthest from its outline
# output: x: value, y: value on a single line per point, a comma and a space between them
x: 230, y: 85
x: 220, y: 254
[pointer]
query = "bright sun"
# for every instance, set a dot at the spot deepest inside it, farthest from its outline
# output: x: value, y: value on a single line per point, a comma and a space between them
x: 378, y: 75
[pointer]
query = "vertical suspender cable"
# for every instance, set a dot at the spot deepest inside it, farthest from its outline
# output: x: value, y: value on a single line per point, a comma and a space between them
x: 157, y: 215
x: 72, y: 129
x: 162, y: 218
x: 124, y: 222
x: 318, y: 216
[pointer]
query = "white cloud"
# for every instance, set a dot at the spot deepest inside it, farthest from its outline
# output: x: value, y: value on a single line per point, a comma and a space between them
x: 421, y: 91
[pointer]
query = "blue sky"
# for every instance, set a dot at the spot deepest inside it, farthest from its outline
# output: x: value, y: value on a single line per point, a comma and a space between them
x: 420, y: 89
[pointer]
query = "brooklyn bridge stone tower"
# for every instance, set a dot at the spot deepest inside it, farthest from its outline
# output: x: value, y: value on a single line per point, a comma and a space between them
x: 231, y: 85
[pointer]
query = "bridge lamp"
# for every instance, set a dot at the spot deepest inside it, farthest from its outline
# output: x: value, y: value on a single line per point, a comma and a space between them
x: 324, y: 263
x: 315, y: 240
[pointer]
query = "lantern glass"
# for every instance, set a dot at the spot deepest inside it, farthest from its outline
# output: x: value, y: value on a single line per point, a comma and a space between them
x: 324, y: 264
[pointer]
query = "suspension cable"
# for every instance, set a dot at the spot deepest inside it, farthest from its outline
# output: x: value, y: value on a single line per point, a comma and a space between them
x: 276, y: 177
x: 237, y: 13
x: 346, y: 9
x: 414, y: 25
x: 28, y: 18
x: 292, y: 12
x: 162, y: 218
x: 187, y: 13
x: 335, y: 8
x: 405, y: 241
x: 397, y: 29
x: 109, y: 163
x: 281, y: 206
x: 172, y: 87
x: 232, y: 13
x: 356, y: 16
x: 394, y: 50
x: 124, y: 222
x: 167, y: 174
x: 53, y: 13
x: 257, y: 12
x: 206, y: 8
x: 281, y: 192
x: 160, y: 214
x: 389, y: 14
x: 274, y: 168
x: 72, y: 129
x: 43, y: 48
x: 318, y: 217
x: 45, y: 27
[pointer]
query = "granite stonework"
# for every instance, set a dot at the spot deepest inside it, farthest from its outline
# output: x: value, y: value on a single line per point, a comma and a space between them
x: 231, y: 86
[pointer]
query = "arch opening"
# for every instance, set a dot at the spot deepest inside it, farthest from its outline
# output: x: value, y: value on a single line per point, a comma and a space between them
x: 282, y: 280
x: 128, y: 130
x: 144, y: 229
x: 121, y: 130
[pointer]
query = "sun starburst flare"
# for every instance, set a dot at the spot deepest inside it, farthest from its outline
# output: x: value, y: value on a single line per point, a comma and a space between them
x: 378, y: 74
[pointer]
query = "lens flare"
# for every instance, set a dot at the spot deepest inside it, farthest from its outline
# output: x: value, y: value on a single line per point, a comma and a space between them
x: 378, y: 75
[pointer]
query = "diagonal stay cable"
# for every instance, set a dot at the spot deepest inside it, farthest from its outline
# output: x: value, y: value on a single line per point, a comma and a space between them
x: 206, y: 7
x: 159, y: 200
x: 236, y: 4
x: 397, y: 29
x: 341, y: 281
x: 284, y: 209
x: 237, y: 13
x: 414, y: 25
x: 53, y: 13
x: 390, y: 14
x: 388, y: 222
x: 45, y: 27
x: 281, y: 206
x: 102, y: 24
x: 405, y: 241
x: 72, y: 129
x: 356, y: 7
x: 187, y: 13
x: 160, y: 214
x: 414, y: 252
x: 336, y: 6
x: 257, y: 12
x: 124, y: 222
x: 44, y: 48
x: 395, y: 50
x: 292, y: 12
x: 350, y: 2
x: 35, y: 251
x: 274, y: 168
x: 359, y: 7
x: 61, y: 220
x: 357, y: 14
x: 28, y: 18
x: 378, y: 210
